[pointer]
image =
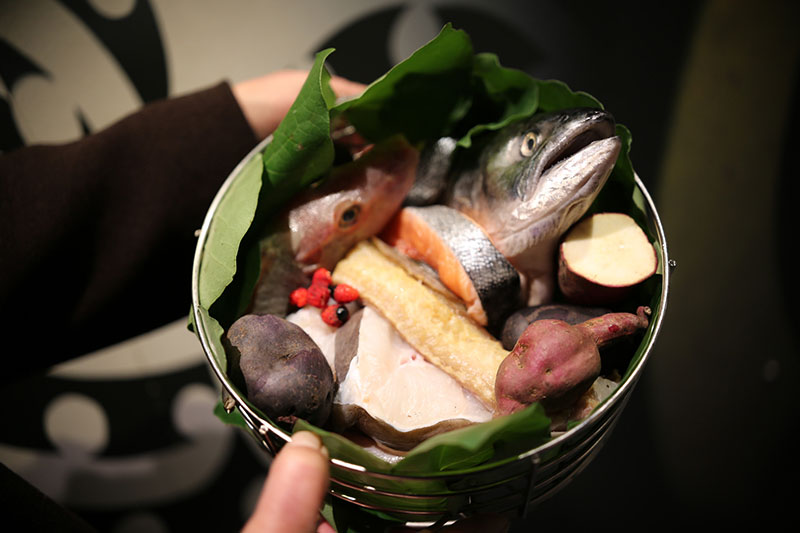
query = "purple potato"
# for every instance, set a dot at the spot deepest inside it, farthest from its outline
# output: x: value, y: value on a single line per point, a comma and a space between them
x: 283, y: 371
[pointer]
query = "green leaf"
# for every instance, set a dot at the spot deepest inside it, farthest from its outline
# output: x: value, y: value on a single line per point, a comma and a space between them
x: 554, y: 95
x: 433, y: 83
x: 343, y: 448
x: 452, y: 451
x: 301, y: 149
x: 232, y: 219
x: 502, y: 95
x: 299, y: 153
x: 234, y: 418
x: 213, y: 332
x: 464, y: 448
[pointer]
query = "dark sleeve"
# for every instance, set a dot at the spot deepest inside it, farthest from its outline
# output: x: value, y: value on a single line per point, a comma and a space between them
x: 97, y: 236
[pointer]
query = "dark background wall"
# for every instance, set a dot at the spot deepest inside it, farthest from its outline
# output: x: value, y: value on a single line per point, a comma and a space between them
x: 706, y: 88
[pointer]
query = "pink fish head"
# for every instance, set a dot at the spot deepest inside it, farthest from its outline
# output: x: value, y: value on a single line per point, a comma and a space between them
x: 353, y: 202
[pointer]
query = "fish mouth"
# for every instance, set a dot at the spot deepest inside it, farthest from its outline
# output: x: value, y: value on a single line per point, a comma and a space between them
x: 565, y: 190
x: 573, y: 148
x: 582, y: 128
x: 582, y: 169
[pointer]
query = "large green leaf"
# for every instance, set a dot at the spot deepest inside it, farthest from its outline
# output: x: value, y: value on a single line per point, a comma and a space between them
x: 452, y: 451
x: 500, y: 96
x: 344, y: 449
x: 232, y: 218
x: 433, y: 84
x: 301, y: 149
x: 299, y: 152
x: 464, y: 448
x: 554, y: 94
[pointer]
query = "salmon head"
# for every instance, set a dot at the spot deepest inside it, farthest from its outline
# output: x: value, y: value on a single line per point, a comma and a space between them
x: 352, y: 203
x: 533, y: 179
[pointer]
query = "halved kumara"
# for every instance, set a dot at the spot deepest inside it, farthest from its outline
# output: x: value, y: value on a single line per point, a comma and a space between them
x: 602, y: 257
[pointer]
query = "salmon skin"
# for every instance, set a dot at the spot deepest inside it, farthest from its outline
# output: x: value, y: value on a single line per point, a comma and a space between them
x: 434, y: 165
x: 527, y: 183
x: 463, y: 257
x: 352, y: 203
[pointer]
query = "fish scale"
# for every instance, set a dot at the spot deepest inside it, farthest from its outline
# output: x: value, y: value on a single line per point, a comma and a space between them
x: 463, y: 256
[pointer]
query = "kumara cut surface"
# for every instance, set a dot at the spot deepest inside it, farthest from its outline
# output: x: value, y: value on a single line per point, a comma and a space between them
x: 602, y: 257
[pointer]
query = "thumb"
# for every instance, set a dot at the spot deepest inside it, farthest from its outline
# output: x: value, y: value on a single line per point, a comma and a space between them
x: 295, y: 488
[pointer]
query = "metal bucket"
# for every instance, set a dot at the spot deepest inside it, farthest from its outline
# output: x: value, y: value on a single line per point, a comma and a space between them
x: 510, y: 486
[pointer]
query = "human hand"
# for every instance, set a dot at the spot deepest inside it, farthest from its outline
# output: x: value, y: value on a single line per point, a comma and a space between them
x: 266, y: 100
x: 295, y: 489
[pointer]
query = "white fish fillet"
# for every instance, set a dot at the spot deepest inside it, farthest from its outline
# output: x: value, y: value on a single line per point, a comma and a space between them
x: 394, y: 383
x: 322, y: 334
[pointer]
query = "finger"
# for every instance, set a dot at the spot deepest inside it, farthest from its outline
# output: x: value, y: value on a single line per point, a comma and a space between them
x: 265, y: 100
x: 345, y: 88
x: 295, y: 488
x: 325, y: 527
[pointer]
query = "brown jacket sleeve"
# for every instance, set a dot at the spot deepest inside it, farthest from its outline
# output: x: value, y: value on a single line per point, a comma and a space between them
x: 97, y: 236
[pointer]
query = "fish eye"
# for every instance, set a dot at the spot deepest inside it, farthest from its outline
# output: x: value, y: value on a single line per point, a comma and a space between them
x: 349, y: 216
x: 528, y: 144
